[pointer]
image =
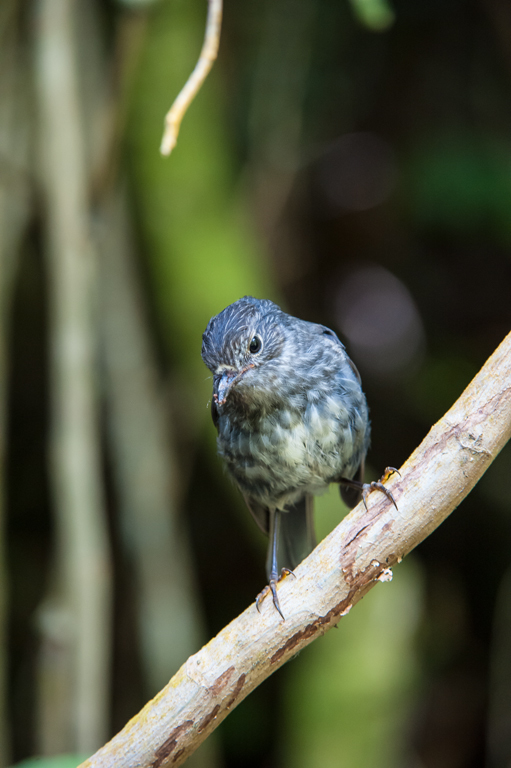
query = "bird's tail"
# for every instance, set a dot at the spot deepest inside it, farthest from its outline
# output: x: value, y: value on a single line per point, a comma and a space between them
x: 296, y: 538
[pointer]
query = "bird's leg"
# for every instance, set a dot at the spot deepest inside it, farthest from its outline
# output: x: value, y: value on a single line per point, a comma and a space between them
x: 272, y: 570
x: 375, y: 485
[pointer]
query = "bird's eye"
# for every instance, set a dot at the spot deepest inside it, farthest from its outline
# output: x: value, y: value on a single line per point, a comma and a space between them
x: 255, y: 345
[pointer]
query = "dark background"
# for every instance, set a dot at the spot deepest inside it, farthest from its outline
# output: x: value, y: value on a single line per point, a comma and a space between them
x: 351, y: 161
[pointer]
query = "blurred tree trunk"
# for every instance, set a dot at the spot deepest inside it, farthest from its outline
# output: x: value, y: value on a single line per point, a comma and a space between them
x: 140, y: 448
x: 146, y: 473
x: 144, y: 466
x: 145, y: 469
x: 14, y: 214
x: 75, y: 621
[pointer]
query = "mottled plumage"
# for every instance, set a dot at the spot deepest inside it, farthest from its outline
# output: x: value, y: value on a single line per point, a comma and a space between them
x: 291, y: 419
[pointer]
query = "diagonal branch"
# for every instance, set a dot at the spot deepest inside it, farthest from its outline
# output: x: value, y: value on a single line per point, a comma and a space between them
x: 340, y: 571
x: 194, y: 83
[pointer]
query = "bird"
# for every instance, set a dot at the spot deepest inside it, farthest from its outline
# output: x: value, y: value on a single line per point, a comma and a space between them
x: 291, y: 418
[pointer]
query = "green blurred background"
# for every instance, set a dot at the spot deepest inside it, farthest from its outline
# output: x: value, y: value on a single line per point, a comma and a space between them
x: 349, y: 160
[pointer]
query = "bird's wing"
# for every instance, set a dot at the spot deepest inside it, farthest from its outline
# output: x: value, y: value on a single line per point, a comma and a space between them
x: 351, y: 496
x: 260, y: 514
x: 329, y: 334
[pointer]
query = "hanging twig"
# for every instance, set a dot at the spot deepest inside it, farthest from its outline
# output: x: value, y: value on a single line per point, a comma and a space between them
x: 192, y: 86
x: 342, y: 569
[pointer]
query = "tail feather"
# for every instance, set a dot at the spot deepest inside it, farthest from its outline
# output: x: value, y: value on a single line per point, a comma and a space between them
x: 297, y: 537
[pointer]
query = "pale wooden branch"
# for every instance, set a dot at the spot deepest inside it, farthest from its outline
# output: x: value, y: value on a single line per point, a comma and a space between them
x: 192, y: 86
x: 341, y: 570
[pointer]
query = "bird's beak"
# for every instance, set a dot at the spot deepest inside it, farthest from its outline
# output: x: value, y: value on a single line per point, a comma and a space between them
x: 221, y: 385
x: 224, y: 380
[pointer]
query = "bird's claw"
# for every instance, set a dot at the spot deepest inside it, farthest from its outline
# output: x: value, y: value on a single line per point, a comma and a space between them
x: 389, y: 471
x: 272, y: 587
x: 377, y: 485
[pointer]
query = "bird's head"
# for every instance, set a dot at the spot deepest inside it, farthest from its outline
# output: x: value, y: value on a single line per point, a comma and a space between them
x: 239, y: 343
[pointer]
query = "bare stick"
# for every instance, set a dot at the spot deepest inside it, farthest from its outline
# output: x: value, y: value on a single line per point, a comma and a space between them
x: 342, y: 569
x: 192, y: 86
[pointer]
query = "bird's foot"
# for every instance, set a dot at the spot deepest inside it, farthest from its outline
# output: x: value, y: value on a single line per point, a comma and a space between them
x: 377, y: 485
x: 366, y: 488
x: 272, y: 587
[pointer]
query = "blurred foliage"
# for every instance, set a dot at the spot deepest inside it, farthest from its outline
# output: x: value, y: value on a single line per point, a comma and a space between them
x: 461, y: 184
x: 377, y: 15
x: 331, y: 138
x: 202, y: 248
x: 354, y: 689
x: 59, y: 761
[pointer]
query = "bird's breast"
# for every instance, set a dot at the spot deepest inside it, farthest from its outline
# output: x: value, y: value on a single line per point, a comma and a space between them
x: 289, y: 450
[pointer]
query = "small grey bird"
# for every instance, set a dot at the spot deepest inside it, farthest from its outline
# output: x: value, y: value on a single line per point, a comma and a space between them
x: 291, y: 419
